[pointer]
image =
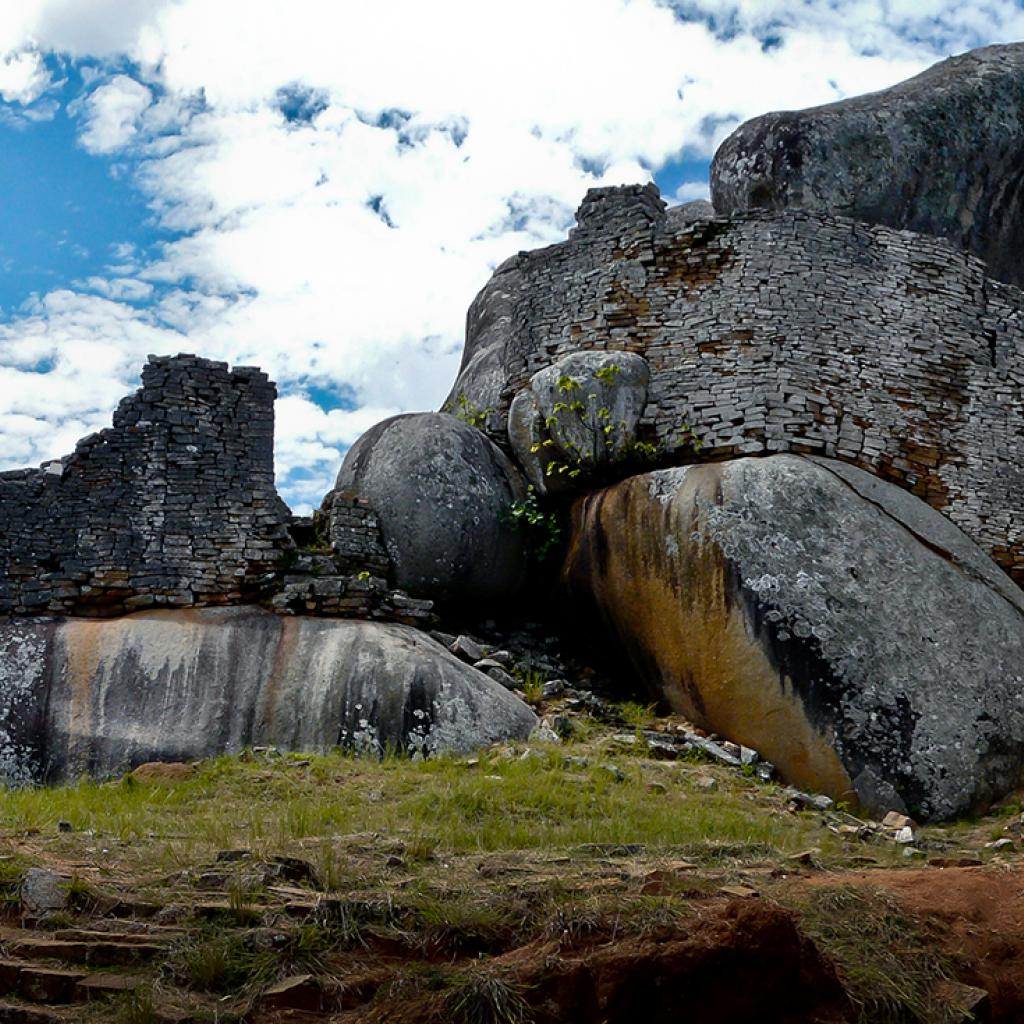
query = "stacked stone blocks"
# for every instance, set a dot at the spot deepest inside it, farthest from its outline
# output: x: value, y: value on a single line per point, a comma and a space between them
x: 173, y: 506
x: 794, y: 331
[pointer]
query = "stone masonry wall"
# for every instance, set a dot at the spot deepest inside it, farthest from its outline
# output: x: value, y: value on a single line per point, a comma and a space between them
x: 355, y: 536
x: 174, y: 505
x: 791, y: 331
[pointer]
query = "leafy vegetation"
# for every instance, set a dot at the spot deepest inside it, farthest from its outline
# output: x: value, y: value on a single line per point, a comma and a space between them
x: 540, y: 525
x: 463, y: 409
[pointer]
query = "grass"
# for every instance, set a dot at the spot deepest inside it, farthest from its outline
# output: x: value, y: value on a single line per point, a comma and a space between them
x: 891, y: 967
x: 448, y: 862
x: 439, y: 806
x: 478, y: 997
x: 639, y: 716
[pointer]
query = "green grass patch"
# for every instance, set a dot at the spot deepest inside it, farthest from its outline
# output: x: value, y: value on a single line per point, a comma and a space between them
x: 891, y: 967
x: 440, y: 805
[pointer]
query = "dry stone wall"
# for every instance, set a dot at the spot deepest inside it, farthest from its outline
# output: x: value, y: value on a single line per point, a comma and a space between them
x: 174, y: 505
x: 788, y: 331
x: 355, y: 535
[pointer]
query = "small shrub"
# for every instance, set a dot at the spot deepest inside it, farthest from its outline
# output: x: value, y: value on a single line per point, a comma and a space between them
x: 463, y: 409
x: 139, y: 1007
x: 533, y: 685
x: 220, y: 964
x: 640, y: 716
x: 541, y: 526
x: 479, y: 998
x: 81, y: 897
x: 12, y: 873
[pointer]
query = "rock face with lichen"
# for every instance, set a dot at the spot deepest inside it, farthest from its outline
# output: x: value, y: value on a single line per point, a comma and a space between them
x: 827, y: 618
x: 940, y: 154
x: 102, y: 696
x: 769, y: 332
x: 789, y: 430
x: 578, y: 417
x: 441, y: 491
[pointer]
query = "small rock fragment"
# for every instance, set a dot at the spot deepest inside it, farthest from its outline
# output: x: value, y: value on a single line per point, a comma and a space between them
x: 805, y: 856
x: 808, y: 801
x: 743, y: 892
x: 499, y: 675
x: 545, y: 734
x: 299, y: 992
x: 553, y: 688
x: 43, y: 892
x: 1000, y: 844
x: 897, y: 821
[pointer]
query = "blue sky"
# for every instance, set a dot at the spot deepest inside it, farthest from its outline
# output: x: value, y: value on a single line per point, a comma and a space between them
x: 257, y: 183
x: 68, y: 214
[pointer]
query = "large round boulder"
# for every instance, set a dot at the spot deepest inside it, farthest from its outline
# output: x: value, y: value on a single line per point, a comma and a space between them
x: 578, y: 417
x: 101, y: 696
x: 443, y: 493
x: 828, y: 619
x: 939, y: 154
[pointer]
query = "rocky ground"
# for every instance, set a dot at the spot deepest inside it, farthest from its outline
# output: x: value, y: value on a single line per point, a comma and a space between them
x: 618, y: 867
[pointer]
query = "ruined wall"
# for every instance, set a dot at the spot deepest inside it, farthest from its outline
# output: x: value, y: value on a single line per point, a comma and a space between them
x: 789, y: 331
x: 355, y: 535
x: 174, y: 505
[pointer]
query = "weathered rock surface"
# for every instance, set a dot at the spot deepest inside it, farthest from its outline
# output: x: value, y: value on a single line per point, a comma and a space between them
x: 101, y: 696
x: 790, y: 331
x: 478, y: 387
x: 577, y: 417
x: 441, y: 492
x: 687, y: 213
x: 801, y: 607
x: 940, y: 154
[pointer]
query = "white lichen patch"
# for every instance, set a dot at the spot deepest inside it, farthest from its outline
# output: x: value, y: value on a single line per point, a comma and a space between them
x: 22, y: 684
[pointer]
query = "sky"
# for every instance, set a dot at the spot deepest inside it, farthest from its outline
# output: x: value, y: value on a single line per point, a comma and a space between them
x: 320, y: 187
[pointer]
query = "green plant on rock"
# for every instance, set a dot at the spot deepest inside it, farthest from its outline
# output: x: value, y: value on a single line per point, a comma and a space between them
x: 688, y: 438
x: 541, y: 526
x: 607, y: 374
x: 463, y: 409
x: 639, y: 451
x: 533, y: 685
x: 321, y: 531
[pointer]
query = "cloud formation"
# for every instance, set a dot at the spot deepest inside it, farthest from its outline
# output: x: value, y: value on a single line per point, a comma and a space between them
x: 340, y: 178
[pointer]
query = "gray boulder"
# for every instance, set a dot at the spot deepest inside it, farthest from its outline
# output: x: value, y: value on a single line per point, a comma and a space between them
x: 43, y: 892
x: 938, y: 154
x: 442, y: 492
x: 80, y: 695
x: 829, y: 620
x: 678, y: 217
x: 478, y: 387
x: 577, y: 417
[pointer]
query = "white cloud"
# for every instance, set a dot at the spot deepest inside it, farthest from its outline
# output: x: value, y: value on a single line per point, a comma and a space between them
x: 343, y: 176
x: 112, y: 114
x: 690, y: 190
x: 23, y: 76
